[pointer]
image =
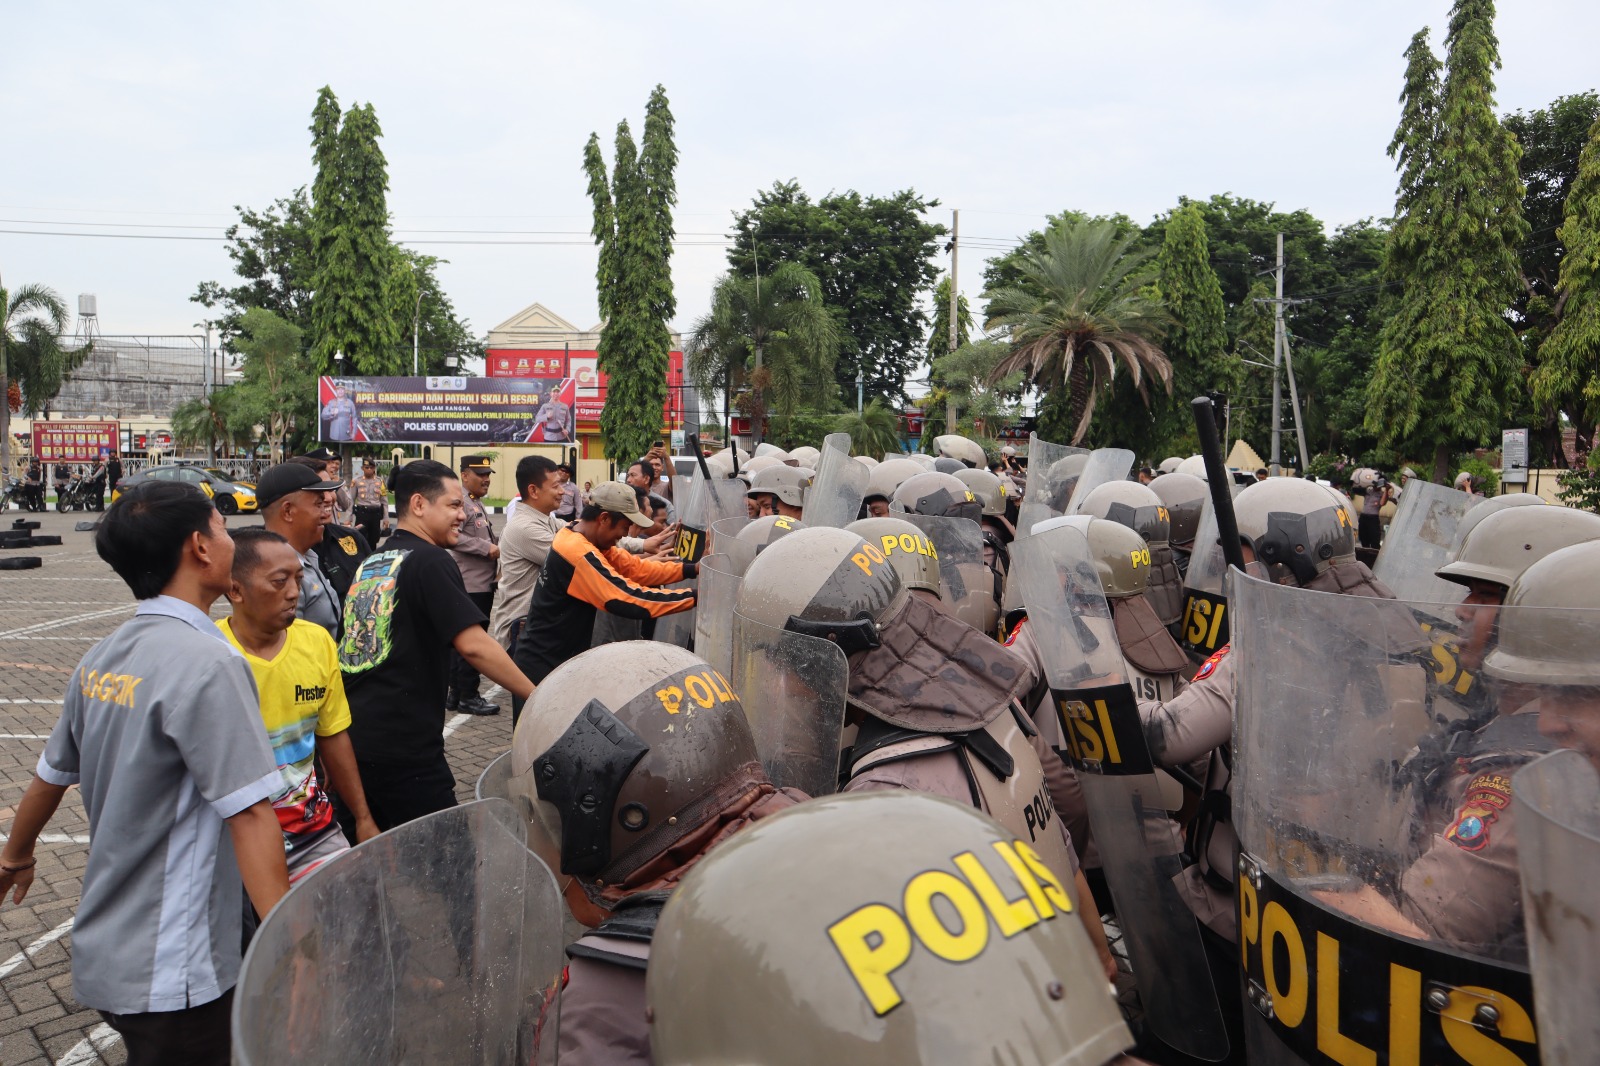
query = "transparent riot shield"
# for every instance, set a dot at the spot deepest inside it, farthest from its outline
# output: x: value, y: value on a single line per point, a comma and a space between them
x: 495, y: 781
x: 1140, y: 845
x: 1105, y: 465
x: 1558, y: 799
x: 723, y: 530
x: 835, y: 495
x: 1053, y: 470
x: 438, y: 941
x: 709, y: 501
x: 1203, y: 627
x: 967, y: 585
x: 713, y: 627
x: 1418, y: 543
x: 678, y: 628
x: 1369, y: 930
x: 793, y: 689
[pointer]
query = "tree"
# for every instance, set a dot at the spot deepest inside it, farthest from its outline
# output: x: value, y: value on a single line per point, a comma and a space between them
x: 633, y: 229
x: 352, y: 307
x: 1448, y: 359
x: 772, y: 332
x: 272, y: 257
x: 1552, y: 140
x: 874, y: 258
x: 1196, y: 342
x: 1081, y: 304
x: 209, y: 420
x: 1568, y: 375
x: 975, y: 400
x: 277, y: 385
x: 875, y: 431
x: 32, y: 356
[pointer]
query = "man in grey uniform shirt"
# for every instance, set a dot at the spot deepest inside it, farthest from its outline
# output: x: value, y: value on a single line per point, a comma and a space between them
x: 296, y: 502
x: 160, y: 730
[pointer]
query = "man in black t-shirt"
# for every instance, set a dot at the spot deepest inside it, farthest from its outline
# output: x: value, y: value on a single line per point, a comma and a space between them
x: 406, y: 609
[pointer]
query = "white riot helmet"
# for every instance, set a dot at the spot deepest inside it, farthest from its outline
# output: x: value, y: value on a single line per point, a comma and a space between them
x: 955, y: 446
x: 1294, y: 525
x: 787, y: 483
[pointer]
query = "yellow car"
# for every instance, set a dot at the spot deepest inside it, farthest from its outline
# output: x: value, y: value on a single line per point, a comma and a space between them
x: 231, y: 497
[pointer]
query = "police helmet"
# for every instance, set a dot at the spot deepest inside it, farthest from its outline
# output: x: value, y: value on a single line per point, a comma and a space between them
x: 761, y: 462
x: 907, y: 548
x: 866, y: 460
x: 1170, y: 464
x: 1505, y: 544
x: 914, y: 930
x: 787, y: 483
x: 772, y: 450
x: 1480, y: 511
x: 1185, y: 497
x: 1194, y: 466
x: 933, y: 493
x: 617, y: 750
x: 721, y: 464
x: 1294, y: 525
x: 825, y: 582
x: 887, y: 476
x: 758, y: 533
x: 922, y: 460
x: 1133, y: 505
x: 1121, y: 557
x: 1554, y: 646
x: 988, y: 487
x: 946, y: 465
x: 1060, y: 479
x: 954, y: 446
x: 805, y: 455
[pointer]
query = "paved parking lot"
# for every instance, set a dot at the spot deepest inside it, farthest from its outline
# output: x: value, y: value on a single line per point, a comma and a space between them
x: 48, y: 618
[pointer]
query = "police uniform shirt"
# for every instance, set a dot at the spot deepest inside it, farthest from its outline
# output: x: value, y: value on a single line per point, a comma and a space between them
x: 160, y: 730
x: 318, y: 602
x: 471, y: 550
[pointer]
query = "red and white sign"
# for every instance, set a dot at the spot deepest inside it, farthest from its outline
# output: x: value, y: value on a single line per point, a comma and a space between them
x: 583, y: 366
x: 74, y: 442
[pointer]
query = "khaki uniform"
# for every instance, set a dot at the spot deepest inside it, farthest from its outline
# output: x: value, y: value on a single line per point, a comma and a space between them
x: 471, y: 551
x: 1466, y: 888
x: 524, y: 546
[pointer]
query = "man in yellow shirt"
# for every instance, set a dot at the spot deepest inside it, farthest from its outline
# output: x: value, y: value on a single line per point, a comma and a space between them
x: 296, y: 667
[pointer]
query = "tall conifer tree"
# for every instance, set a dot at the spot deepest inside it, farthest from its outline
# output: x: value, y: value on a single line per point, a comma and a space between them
x: 351, y: 308
x: 1448, y: 359
x: 633, y: 229
x: 1197, y: 340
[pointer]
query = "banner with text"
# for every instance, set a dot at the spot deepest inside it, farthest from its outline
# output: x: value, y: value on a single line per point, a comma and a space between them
x: 74, y: 442
x: 427, y: 410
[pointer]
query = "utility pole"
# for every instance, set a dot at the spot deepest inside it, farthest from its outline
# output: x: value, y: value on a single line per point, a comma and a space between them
x: 1277, y: 364
x: 955, y: 303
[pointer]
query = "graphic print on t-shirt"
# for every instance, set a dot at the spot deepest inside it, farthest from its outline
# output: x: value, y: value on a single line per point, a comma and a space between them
x: 369, y: 613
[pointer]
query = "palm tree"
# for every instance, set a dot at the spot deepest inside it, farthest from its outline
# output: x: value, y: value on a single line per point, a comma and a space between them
x: 32, y: 320
x: 875, y: 431
x: 772, y: 332
x: 1083, y: 303
x: 208, y: 420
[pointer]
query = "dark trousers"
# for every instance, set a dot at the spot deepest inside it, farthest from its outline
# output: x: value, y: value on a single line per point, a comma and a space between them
x: 399, y: 794
x: 1369, y: 527
x: 369, y: 519
x: 196, y: 1036
x: 463, y: 678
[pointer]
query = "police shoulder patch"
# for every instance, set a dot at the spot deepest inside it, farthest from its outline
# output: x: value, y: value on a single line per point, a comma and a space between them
x: 348, y: 544
x: 1209, y: 667
x: 1487, y: 795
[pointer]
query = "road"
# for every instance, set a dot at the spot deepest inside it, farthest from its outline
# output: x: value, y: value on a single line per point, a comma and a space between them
x: 51, y: 616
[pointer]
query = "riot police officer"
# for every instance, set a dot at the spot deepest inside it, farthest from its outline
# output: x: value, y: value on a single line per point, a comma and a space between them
x: 859, y: 967
x: 1185, y: 497
x: 632, y: 761
x: 1141, y: 510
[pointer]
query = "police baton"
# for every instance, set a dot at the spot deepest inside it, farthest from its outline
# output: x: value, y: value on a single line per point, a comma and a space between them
x: 1217, y: 479
x: 700, y: 456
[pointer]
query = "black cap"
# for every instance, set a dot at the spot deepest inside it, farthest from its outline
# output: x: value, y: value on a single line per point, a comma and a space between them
x: 279, y: 481
x: 324, y: 454
x: 478, y: 464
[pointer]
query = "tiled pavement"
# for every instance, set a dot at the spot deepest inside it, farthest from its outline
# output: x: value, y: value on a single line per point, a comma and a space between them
x: 48, y: 618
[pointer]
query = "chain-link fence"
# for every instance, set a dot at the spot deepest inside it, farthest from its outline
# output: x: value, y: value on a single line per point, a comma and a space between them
x: 135, y: 377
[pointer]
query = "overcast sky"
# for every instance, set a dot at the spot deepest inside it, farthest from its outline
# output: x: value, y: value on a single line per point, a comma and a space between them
x: 157, y: 119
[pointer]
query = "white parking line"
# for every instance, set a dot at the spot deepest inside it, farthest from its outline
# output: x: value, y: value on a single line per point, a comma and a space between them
x: 57, y: 838
x: 92, y: 1048
x: 455, y: 723
x: 27, y: 953
x: 30, y: 701
x: 25, y: 736
x: 70, y: 620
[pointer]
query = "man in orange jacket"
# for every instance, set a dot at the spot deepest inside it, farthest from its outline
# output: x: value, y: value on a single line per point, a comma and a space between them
x: 586, y: 572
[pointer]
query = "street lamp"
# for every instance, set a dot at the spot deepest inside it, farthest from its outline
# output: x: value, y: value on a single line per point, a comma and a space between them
x: 338, y: 362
